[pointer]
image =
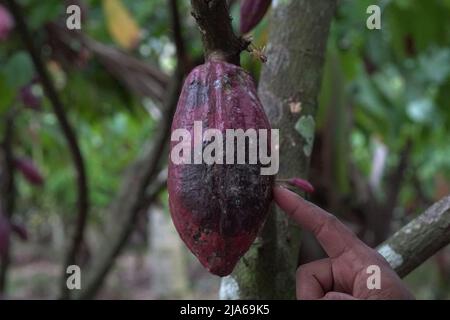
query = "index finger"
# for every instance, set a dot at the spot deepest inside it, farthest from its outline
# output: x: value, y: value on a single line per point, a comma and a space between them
x: 333, y: 235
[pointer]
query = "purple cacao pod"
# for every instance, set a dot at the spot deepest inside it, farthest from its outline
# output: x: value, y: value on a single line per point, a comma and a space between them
x: 29, y: 170
x: 218, y: 209
x: 6, y: 23
x: 20, y: 230
x: 29, y: 98
x: 252, y: 12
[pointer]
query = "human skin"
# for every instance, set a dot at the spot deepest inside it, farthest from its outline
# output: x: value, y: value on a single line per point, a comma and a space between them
x: 343, y: 275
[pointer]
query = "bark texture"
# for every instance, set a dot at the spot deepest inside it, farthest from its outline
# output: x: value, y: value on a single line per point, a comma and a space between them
x: 419, y: 240
x: 289, y: 86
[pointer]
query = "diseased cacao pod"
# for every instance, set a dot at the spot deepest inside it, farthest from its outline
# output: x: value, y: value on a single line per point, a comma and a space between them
x: 252, y: 12
x: 29, y: 171
x: 6, y: 23
x: 218, y: 209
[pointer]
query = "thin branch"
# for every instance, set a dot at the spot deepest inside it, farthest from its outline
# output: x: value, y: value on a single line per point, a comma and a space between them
x: 219, y: 39
x: 130, y: 199
x: 182, y: 56
x: 419, y: 239
x: 142, y: 78
x: 69, y: 134
x: 157, y: 187
x: 7, y: 190
x: 133, y: 198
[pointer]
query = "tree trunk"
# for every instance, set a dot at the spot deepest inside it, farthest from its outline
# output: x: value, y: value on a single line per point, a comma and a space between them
x: 289, y: 86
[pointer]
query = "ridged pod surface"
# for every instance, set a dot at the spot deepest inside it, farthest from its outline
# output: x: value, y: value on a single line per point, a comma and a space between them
x: 252, y: 12
x: 218, y: 209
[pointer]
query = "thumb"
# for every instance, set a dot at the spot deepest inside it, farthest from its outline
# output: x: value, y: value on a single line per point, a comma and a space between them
x: 337, y: 296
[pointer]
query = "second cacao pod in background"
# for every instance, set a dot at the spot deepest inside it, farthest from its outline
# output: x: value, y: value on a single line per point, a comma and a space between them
x: 29, y: 170
x: 6, y: 23
x: 252, y: 12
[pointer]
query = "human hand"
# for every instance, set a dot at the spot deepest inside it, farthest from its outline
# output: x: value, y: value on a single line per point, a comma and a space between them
x: 343, y: 275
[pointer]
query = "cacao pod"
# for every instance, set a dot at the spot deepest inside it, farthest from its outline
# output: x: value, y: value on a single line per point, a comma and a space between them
x: 252, y: 12
x: 218, y: 209
x: 6, y: 23
x: 29, y: 98
x: 20, y: 230
x: 29, y: 170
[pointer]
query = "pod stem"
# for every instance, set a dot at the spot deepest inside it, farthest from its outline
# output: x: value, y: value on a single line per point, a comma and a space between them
x: 219, y: 40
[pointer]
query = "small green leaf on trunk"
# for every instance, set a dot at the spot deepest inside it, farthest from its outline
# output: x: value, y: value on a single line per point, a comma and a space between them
x: 306, y: 126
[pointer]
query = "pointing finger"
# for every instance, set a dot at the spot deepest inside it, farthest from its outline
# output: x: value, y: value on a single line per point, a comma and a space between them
x: 333, y: 235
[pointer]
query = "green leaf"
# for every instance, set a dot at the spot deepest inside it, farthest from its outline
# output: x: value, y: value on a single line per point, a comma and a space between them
x: 306, y: 127
x: 41, y: 12
x: 7, y: 94
x: 18, y: 70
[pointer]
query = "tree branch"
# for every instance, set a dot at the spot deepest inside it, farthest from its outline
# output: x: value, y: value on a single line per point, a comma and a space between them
x: 142, y: 78
x: 182, y: 56
x: 7, y: 190
x: 158, y: 185
x: 219, y: 39
x: 133, y: 197
x: 419, y: 239
x: 7, y: 187
x: 77, y: 158
x: 129, y: 203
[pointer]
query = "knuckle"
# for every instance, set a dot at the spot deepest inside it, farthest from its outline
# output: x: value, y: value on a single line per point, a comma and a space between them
x: 326, y: 223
